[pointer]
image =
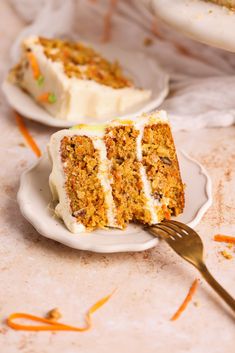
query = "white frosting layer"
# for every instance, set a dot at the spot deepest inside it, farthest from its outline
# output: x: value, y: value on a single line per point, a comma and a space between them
x: 96, y: 133
x: 146, y: 183
x: 103, y: 176
x: 77, y: 98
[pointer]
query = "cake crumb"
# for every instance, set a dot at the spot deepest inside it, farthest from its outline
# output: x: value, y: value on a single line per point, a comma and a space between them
x: 148, y: 41
x: 3, y: 330
x: 196, y: 303
x: 226, y: 255
x: 54, y: 314
x: 21, y: 144
x: 230, y: 246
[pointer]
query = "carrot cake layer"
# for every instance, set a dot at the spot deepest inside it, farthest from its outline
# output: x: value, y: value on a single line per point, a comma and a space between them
x: 108, y: 175
x: 71, y: 80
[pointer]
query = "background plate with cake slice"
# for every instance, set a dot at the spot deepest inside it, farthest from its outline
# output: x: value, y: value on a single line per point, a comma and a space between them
x: 62, y: 83
x: 210, y: 22
x: 97, y: 180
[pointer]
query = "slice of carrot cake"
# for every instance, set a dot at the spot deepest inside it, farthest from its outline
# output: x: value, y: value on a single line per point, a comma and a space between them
x: 109, y: 175
x: 71, y: 80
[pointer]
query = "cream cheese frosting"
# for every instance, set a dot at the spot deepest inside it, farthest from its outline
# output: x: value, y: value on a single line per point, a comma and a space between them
x: 96, y: 133
x: 75, y: 98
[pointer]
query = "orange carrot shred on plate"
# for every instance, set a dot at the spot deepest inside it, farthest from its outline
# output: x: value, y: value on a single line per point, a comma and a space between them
x: 24, y: 131
x: 108, y: 20
x: 44, y: 97
x: 34, y: 65
x: 51, y: 325
x: 224, y: 238
x: 188, y: 298
x: 47, y: 97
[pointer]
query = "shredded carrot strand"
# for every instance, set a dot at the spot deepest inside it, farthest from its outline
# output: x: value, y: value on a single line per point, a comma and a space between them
x: 34, y: 65
x: 27, y: 136
x: 224, y: 238
x: 51, y: 324
x: 188, y: 298
x: 44, y: 97
x: 47, y: 97
x: 108, y: 21
x: 154, y: 28
x: 167, y: 214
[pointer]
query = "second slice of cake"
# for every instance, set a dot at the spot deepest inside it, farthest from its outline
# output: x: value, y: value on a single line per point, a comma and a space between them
x: 109, y: 175
x: 71, y: 80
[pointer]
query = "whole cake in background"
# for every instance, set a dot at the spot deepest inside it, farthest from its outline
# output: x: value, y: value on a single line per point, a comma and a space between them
x: 71, y: 80
x: 228, y: 3
x: 108, y: 175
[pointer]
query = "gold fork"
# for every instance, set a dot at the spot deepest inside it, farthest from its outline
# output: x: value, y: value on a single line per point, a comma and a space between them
x: 187, y: 243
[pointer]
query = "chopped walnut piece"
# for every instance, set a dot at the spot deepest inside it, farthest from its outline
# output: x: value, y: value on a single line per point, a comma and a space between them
x: 54, y: 314
x: 148, y: 41
x: 226, y: 255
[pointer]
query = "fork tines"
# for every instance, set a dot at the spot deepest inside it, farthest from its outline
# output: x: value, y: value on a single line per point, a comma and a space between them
x: 173, y: 229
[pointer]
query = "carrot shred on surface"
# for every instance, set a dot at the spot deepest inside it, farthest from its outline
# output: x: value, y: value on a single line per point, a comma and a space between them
x: 224, y: 238
x: 188, y: 298
x: 52, y: 325
x: 108, y: 21
x: 24, y: 131
x: 34, y: 65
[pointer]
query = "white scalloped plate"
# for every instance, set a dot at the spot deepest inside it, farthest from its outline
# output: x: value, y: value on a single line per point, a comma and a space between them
x: 201, y: 20
x: 150, y: 76
x: 35, y: 203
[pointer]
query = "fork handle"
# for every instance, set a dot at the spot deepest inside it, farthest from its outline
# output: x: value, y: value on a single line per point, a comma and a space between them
x: 217, y: 287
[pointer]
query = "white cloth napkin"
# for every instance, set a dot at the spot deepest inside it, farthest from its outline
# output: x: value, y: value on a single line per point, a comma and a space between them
x: 202, y: 87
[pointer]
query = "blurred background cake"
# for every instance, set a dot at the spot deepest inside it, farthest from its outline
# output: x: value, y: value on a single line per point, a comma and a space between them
x: 71, y: 80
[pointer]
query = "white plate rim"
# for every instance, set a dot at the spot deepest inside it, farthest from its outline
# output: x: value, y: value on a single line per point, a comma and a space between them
x: 202, y: 210
x: 90, y: 246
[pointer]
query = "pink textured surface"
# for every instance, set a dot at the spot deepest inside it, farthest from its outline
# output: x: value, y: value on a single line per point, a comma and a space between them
x: 37, y: 274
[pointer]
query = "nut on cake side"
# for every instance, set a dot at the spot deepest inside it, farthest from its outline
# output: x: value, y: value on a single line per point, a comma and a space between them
x: 111, y: 174
x: 71, y: 80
